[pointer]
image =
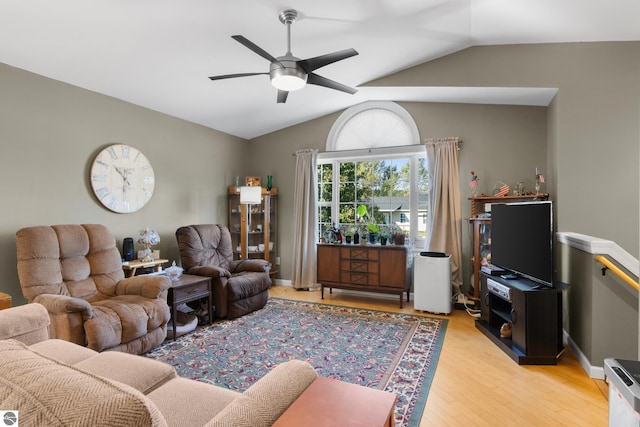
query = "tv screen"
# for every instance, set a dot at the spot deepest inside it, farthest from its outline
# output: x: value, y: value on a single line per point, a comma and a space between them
x: 522, y: 239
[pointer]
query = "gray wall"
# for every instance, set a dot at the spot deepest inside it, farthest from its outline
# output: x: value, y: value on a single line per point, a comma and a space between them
x: 501, y: 143
x: 50, y: 133
x: 586, y: 142
x: 593, y: 127
x: 602, y: 309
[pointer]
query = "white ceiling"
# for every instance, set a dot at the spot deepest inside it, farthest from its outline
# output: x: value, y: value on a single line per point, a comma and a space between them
x: 159, y: 53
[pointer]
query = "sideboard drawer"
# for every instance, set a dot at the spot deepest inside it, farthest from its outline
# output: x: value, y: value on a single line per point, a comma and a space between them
x: 356, y: 252
x: 359, y: 266
x: 360, y: 278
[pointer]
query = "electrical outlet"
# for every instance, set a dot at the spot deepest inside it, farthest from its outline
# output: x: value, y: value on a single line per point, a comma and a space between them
x: 277, y: 260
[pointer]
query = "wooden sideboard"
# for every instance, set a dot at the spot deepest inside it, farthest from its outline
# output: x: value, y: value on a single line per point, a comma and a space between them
x: 371, y: 268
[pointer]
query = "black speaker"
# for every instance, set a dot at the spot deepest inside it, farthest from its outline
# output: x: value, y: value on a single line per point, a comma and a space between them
x: 127, y: 249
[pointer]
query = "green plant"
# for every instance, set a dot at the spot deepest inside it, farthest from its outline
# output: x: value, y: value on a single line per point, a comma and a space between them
x: 385, y: 231
x: 364, y: 217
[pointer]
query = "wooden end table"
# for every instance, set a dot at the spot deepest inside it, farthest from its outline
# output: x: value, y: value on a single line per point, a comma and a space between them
x: 186, y: 289
x: 328, y: 403
x: 131, y: 267
x: 5, y: 300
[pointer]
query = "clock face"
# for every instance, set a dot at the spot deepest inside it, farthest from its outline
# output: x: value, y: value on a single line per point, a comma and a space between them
x: 122, y: 178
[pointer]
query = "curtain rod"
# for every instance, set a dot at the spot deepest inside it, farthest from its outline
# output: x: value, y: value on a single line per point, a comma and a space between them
x: 401, y: 149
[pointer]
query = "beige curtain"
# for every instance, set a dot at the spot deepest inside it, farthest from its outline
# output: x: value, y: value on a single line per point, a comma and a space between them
x: 303, y: 274
x: 445, y: 208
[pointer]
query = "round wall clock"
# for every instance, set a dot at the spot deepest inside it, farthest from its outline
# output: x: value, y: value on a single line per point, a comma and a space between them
x: 122, y: 178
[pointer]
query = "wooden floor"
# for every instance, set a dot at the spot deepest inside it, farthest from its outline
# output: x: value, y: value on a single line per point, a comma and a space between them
x: 476, y: 384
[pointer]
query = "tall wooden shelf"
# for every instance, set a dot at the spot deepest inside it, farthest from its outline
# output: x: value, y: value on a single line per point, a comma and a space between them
x: 480, y: 221
x: 254, y: 225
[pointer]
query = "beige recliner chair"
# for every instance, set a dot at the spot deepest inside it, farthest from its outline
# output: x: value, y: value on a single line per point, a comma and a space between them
x: 238, y: 286
x: 75, y: 271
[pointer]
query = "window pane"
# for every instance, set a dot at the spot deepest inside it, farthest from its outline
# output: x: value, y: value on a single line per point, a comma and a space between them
x: 423, y: 199
x: 347, y: 214
x: 325, y: 214
x: 325, y: 172
x: 347, y: 192
x: 324, y: 220
x: 325, y: 192
x: 347, y: 172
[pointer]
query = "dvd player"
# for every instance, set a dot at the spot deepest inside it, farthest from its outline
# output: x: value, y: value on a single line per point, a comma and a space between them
x: 499, y: 289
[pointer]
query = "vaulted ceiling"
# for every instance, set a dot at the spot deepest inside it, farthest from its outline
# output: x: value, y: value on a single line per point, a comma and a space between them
x: 159, y: 53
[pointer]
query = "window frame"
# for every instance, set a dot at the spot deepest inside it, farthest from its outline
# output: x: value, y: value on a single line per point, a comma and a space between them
x: 413, y: 153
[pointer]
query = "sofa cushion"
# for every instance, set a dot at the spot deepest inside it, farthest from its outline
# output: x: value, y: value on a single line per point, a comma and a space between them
x: 63, y: 351
x: 141, y: 373
x: 47, y: 392
x: 266, y: 400
x: 28, y: 325
x: 185, y: 402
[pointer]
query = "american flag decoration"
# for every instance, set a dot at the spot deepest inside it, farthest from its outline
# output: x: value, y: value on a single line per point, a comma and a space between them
x: 504, y: 190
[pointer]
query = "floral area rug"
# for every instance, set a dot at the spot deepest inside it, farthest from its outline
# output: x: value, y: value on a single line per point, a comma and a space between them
x: 387, y: 351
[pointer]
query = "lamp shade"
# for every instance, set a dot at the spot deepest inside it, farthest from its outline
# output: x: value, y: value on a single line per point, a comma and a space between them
x: 287, y: 78
x: 250, y: 195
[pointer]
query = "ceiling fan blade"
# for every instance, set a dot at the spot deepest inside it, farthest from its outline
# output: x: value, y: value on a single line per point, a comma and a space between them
x: 282, y: 96
x: 317, y: 80
x: 311, y: 64
x: 255, y: 48
x: 231, y: 76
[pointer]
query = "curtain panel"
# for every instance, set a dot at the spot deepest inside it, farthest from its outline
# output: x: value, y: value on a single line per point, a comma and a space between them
x: 303, y: 273
x: 445, y: 211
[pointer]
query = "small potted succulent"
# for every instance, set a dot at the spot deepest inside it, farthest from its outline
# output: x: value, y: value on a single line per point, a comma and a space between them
x: 385, y: 234
x: 397, y: 235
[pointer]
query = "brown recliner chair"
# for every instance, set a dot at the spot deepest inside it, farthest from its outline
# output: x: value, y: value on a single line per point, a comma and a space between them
x: 75, y: 271
x: 238, y: 286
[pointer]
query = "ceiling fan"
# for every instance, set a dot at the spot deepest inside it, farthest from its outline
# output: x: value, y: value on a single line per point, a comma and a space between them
x: 289, y: 73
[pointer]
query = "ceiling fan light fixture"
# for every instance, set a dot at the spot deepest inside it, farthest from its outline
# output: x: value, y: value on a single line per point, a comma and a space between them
x: 288, y: 79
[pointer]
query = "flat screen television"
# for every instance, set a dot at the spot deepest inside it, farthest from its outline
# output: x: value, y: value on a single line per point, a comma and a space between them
x: 522, y: 240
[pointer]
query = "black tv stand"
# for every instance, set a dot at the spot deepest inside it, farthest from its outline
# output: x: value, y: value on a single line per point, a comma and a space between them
x: 535, y: 315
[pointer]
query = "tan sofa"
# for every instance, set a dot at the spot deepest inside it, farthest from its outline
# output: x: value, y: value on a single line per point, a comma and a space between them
x: 54, y: 382
x: 75, y: 271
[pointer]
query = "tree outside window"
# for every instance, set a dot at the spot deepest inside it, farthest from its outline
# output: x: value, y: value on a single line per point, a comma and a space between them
x: 382, y: 185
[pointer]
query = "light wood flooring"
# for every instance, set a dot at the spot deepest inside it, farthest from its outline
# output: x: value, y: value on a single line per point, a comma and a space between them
x: 476, y: 384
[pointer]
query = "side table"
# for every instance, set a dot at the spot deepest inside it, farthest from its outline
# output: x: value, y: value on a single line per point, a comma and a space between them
x: 5, y: 300
x: 131, y: 267
x: 186, y: 289
x: 329, y: 402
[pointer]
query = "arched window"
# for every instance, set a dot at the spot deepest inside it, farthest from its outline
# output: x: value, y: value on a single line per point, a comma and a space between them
x: 374, y: 159
x: 373, y: 125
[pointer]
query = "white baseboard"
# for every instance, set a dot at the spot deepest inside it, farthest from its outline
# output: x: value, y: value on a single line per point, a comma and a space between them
x: 595, y: 372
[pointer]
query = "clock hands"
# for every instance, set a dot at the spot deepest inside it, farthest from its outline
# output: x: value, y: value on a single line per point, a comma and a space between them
x: 124, y: 172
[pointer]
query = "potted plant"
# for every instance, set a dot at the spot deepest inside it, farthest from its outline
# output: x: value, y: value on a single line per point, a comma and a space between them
x: 347, y: 231
x: 385, y: 234
x: 398, y: 235
x: 371, y: 227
